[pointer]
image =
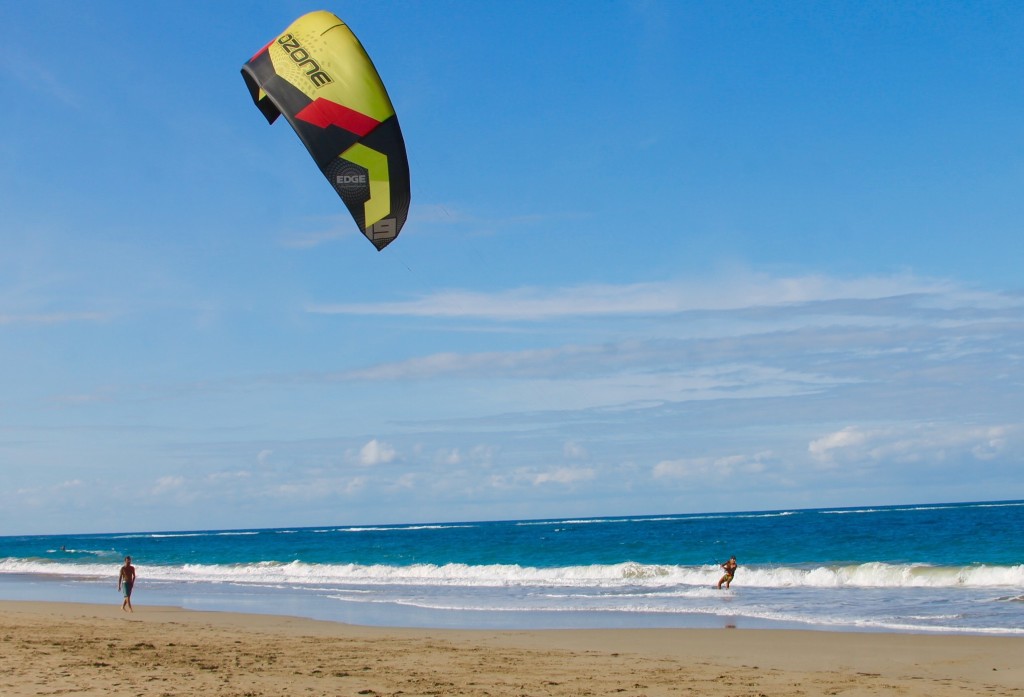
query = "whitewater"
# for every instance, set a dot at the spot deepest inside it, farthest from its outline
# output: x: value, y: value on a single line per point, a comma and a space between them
x: 943, y: 568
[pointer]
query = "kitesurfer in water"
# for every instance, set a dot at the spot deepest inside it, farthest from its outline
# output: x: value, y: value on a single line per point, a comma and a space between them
x: 730, y: 571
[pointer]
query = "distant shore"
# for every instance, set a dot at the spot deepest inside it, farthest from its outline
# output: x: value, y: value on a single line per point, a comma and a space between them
x: 52, y: 647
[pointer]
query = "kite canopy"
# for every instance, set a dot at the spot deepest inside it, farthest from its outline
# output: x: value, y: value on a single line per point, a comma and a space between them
x: 318, y: 75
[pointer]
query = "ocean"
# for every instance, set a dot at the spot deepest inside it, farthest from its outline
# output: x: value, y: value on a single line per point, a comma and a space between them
x: 940, y: 568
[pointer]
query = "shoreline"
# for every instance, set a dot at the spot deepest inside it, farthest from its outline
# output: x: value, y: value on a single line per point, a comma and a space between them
x: 299, y: 603
x: 98, y: 649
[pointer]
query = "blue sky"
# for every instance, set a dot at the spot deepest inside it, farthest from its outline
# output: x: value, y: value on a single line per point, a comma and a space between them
x: 662, y: 257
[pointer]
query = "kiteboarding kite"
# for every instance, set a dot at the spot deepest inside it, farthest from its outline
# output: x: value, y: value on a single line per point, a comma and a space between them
x: 318, y: 75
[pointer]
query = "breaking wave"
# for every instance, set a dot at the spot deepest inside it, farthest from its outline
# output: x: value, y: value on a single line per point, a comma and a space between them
x: 867, y: 575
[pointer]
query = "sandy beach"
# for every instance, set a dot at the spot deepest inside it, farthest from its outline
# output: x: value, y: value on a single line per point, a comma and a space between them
x: 65, y: 648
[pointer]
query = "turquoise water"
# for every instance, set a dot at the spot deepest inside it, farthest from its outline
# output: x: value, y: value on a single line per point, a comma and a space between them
x: 939, y: 568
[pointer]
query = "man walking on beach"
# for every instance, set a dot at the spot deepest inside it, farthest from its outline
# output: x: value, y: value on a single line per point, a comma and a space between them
x: 125, y: 581
x: 730, y: 571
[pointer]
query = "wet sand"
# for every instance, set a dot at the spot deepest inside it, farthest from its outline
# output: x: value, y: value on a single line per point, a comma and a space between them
x: 76, y: 649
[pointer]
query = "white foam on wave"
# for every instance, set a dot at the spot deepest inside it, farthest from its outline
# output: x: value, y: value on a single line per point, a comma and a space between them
x: 398, y: 528
x: 89, y: 552
x: 923, y: 507
x: 869, y: 575
x: 657, y: 519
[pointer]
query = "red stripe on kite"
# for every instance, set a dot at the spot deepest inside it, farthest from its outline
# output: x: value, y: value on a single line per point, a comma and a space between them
x: 323, y: 113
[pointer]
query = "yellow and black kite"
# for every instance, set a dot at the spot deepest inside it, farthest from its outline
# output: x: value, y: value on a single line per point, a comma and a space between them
x: 318, y: 75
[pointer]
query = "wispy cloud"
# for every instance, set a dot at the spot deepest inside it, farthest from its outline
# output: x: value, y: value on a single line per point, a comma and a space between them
x: 815, y: 335
x: 914, y: 443
x: 566, y: 476
x: 36, y: 76
x: 733, y: 293
x: 445, y: 214
x: 375, y: 453
x: 318, y: 232
x: 52, y: 317
x: 722, y: 467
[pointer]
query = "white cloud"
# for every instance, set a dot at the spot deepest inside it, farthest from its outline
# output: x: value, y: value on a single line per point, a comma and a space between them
x: 563, y: 475
x: 449, y: 456
x: 229, y: 477
x: 727, y: 293
x: 314, y: 238
x: 704, y: 468
x: 991, y: 444
x: 915, y: 443
x: 168, y: 484
x: 409, y: 480
x: 581, y: 377
x: 822, y: 449
x: 376, y: 452
x: 355, y: 485
x: 53, y: 317
x: 483, y: 454
x: 317, y: 488
x: 440, y: 213
x: 573, y: 450
x: 476, y: 456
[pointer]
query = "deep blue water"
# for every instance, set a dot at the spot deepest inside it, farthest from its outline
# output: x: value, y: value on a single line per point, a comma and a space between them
x: 939, y: 567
